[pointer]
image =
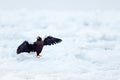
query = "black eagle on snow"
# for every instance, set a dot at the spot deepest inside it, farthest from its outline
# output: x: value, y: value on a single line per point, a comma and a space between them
x: 38, y: 45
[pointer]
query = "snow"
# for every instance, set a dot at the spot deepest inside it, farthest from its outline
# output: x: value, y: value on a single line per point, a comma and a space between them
x: 89, y: 50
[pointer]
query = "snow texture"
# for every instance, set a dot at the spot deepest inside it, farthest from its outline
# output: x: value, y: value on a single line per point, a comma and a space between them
x: 90, y: 49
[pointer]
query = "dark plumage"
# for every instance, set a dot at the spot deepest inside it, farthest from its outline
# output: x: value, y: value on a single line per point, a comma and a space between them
x: 38, y: 45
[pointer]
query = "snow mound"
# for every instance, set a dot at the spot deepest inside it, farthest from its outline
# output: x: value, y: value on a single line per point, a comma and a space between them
x: 89, y: 50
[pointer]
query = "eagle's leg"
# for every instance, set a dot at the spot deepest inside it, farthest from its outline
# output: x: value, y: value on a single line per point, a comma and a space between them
x: 38, y: 55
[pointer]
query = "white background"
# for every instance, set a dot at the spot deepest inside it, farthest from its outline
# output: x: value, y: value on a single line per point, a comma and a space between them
x: 61, y: 4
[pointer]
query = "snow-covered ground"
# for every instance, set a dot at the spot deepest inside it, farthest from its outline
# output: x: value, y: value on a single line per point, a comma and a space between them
x: 90, y: 49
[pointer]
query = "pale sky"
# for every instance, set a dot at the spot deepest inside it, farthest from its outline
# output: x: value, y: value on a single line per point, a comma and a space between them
x: 61, y: 4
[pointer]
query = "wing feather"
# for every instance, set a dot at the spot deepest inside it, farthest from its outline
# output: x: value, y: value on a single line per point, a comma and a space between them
x: 24, y: 47
x: 51, y: 40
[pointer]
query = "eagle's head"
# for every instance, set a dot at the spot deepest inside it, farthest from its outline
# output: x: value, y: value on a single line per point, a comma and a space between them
x: 39, y: 38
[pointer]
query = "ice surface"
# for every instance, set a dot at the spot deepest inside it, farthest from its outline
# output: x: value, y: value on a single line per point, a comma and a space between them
x: 90, y: 49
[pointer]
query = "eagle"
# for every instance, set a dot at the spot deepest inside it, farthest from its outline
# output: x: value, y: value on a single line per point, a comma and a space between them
x: 38, y: 45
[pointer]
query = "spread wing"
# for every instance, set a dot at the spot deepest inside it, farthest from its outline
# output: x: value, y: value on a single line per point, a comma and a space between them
x: 24, y: 47
x: 51, y: 40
